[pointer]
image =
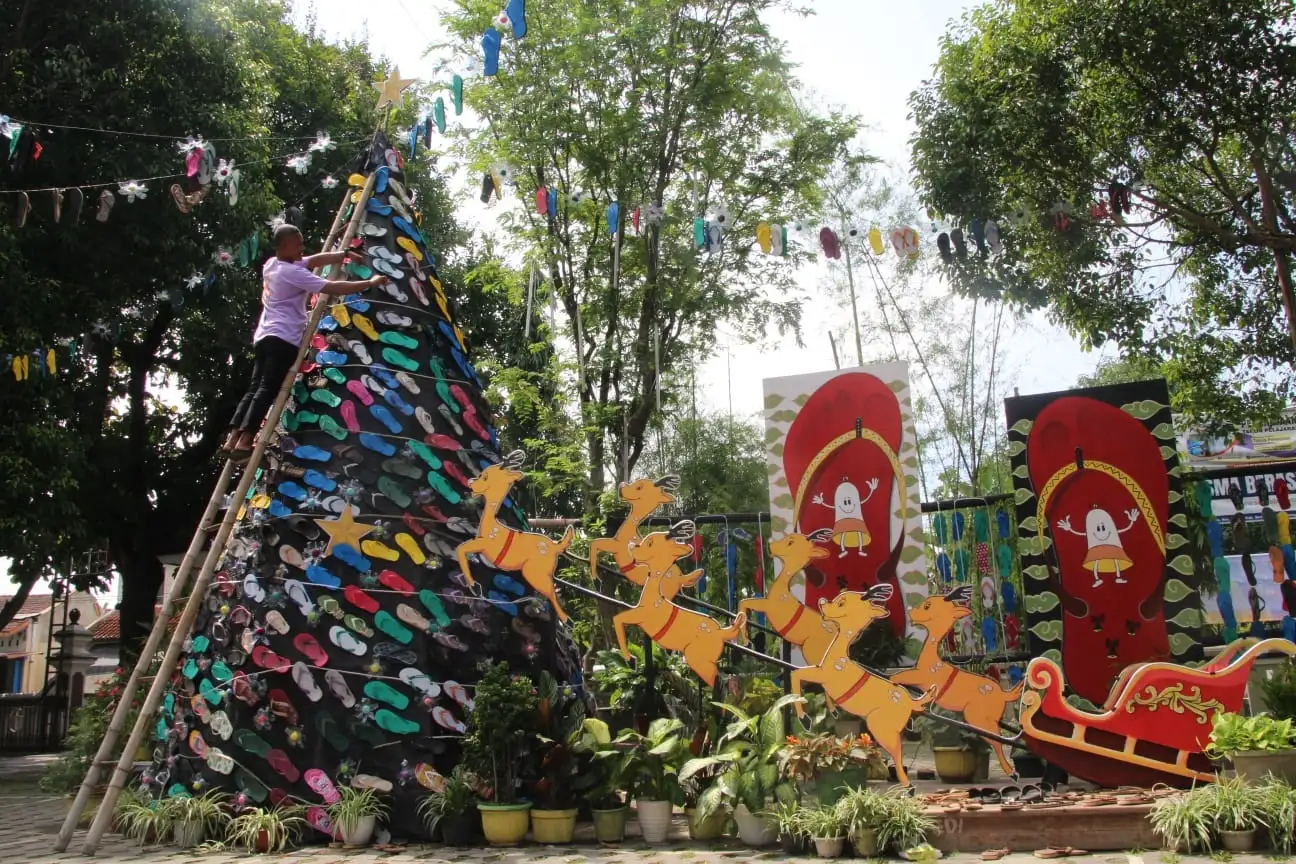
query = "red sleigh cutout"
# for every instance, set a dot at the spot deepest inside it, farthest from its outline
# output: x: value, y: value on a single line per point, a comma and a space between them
x: 1155, y: 722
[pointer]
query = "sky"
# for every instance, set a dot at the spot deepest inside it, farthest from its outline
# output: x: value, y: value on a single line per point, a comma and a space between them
x: 848, y: 54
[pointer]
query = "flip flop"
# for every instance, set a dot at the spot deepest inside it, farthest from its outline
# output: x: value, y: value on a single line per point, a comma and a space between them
x: 396, y: 724
x: 330, y: 606
x: 319, y: 783
x: 401, y: 468
x: 393, y: 628
x: 359, y: 271
x: 447, y: 721
x: 412, y: 617
x: 337, y: 685
x: 264, y: 658
x: 995, y: 854
x: 396, y: 653
x: 198, y: 705
x: 320, y: 481
x: 209, y: 692
x: 253, y: 743
x: 219, y: 762
x: 384, y: 416
x: 190, y: 669
x: 359, y: 351
x: 394, y: 399
x: 197, y: 745
x: 448, y: 413
x: 331, y: 358
x: 291, y: 490
x: 404, y: 379
x: 312, y: 453
x: 220, y: 672
x: 320, y: 575
x: 360, y: 391
x: 419, y: 681
x: 396, y: 358
x: 371, y: 230
x: 411, y: 548
x: 381, y: 551
x: 433, y: 604
x: 383, y: 692
x: 251, y: 786
x: 992, y: 236
x: 516, y: 11
x: 369, y: 781
x: 421, y: 450
x: 359, y: 599
x: 365, y: 326
x: 352, y: 558
x: 279, y: 761
x: 325, y: 397
x: 1059, y: 852
x: 344, y: 639
x: 437, y: 482
x: 221, y: 725
x: 310, y: 648
x: 374, y: 207
x: 425, y: 420
x: 330, y: 427
x: 349, y: 417
x: 305, y: 680
x: 358, y: 624
x: 377, y: 444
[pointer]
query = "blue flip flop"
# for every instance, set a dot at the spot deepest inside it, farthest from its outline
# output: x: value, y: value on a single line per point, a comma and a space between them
x: 491, y: 49
x: 383, y: 416
x: 319, y: 481
x: 289, y: 489
x: 328, y: 324
x: 347, y: 554
x: 358, y: 305
x: 508, y: 584
x: 373, y: 442
x: 321, y: 576
x: 279, y: 510
x: 413, y: 233
x: 502, y: 603
x: 312, y: 453
x: 516, y: 11
x: 379, y: 209
x: 383, y: 374
x: 380, y: 180
x: 394, y: 400
x: 331, y: 358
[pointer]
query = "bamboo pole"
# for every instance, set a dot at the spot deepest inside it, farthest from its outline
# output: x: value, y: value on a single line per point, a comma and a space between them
x: 196, y: 598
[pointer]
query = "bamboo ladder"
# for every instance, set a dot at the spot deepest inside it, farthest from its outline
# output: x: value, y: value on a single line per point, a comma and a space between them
x: 196, y: 598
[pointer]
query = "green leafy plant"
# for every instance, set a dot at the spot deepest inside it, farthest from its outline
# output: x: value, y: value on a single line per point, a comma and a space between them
x: 141, y: 818
x: 602, y: 781
x: 1279, y: 691
x: 266, y: 830
x: 789, y: 818
x: 862, y: 810
x: 1278, y: 801
x: 1233, y: 733
x: 803, y: 757
x: 825, y: 822
x: 1182, y: 821
x: 501, y: 729
x: 627, y: 692
x: 210, y: 809
x: 560, y: 735
x: 652, y: 762
x: 748, y: 757
x: 1232, y: 805
x: 902, y: 821
x: 355, y: 804
x: 455, y: 798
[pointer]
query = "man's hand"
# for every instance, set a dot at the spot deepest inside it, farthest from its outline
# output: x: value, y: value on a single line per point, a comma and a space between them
x: 378, y: 280
x: 354, y: 256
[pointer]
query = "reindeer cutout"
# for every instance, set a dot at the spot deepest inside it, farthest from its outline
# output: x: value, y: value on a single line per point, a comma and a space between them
x: 795, y: 622
x: 884, y: 706
x: 698, y: 637
x: 644, y: 496
x: 534, y: 555
x: 979, y: 699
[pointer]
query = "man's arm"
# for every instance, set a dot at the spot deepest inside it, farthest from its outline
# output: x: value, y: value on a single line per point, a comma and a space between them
x: 323, y: 259
x: 336, y: 287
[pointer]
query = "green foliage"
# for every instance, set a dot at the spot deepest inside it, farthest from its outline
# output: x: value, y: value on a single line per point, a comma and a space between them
x: 625, y: 689
x: 1279, y: 691
x: 455, y: 798
x: 562, y: 749
x: 603, y: 780
x: 501, y: 725
x: 354, y: 804
x: 747, y: 756
x: 1042, y: 102
x: 651, y: 762
x: 211, y: 810
x: 280, y: 827
x: 1233, y: 733
x: 86, y: 730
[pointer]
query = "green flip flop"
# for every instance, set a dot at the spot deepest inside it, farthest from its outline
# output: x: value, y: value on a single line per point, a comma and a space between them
x: 433, y: 604
x: 425, y: 453
x: 335, y: 375
x: 331, y: 427
x: 210, y: 693
x: 221, y: 672
x: 393, y: 628
x: 250, y: 786
x: 384, y: 692
x: 330, y: 605
x: 307, y: 417
x: 393, y: 490
x: 359, y: 271
x: 395, y: 724
x: 251, y: 742
x: 199, y: 644
x: 369, y: 734
x: 400, y: 340
x: 190, y: 669
x: 396, y: 358
x: 442, y: 486
x: 402, y: 468
x: 325, y: 397
x: 357, y: 624
x: 300, y: 392
x: 178, y: 790
x: 331, y: 732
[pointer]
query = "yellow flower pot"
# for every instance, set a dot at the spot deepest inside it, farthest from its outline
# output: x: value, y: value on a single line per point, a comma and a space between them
x: 553, y: 826
x: 505, y: 824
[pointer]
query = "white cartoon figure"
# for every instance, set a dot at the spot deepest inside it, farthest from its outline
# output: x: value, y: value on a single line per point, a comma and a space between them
x: 1106, y: 552
x: 848, y: 512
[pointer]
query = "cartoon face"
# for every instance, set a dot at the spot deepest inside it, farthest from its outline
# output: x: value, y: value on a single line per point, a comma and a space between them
x: 847, y: 499
x: 1099, y: 527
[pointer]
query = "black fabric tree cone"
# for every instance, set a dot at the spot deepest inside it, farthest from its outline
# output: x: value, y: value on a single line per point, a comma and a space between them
x: 340, y: 641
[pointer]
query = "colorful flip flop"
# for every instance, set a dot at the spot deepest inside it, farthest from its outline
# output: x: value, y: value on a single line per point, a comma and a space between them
x: 221, y: 725
x: 395, y: 582
x: 358, y: 624
x: 383, y: 692
x: 338, y: 686
x: 384, y: 416
x: 381, y: 551
x: 330, y: 427
x: 354, y: 595
x: 330, y: 731
x: 411, y: 548
x: 349, y: 416
x: 253, y: 743
x: 419, y: 681
x: 396, y: 358
x: 373, y: 442
x: 279, y: 761
x: 352, y: 558
x: 396, y: 724
x: 360, y: 391
x: 411, y: 616
x: 310, y: 648
x: 219, y: 762
x: 344, y: 639
x: 319, y: 783
x: 433, y: 604
x: 406, y: 381
x: 387, y: 624
x: 312, y: 454
x: 320, y: 575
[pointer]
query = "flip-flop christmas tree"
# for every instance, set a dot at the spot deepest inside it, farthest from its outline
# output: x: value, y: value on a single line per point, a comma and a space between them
x: 341, y: 639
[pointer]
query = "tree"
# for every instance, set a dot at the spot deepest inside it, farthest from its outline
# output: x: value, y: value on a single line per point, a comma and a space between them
x: 1048, y: 115
x: 1120, y: 370
x: 680, y: 105
x: 130, y: 466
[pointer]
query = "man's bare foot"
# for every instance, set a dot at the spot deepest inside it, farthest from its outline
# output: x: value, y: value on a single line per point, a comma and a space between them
x: 243, y: 447
x: 231, y: 441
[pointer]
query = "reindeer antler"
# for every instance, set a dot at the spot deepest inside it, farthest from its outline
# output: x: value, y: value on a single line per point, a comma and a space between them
x: 683, y: 530
x: 881, y: 591
x: 823, y: 535
x: 961, y: 595
x: 515, y: 460
x: 668, y: 483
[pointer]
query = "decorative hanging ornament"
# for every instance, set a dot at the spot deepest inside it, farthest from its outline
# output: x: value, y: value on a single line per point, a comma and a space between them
x: 905, y: 241
x: 224, y: 170
x: 831, y: 245
x: 875, y: 241
x: 323, y: 143
x: 133, y: 190
x: 300, y: 162
x: 652, y: 214
x: 329, y: 181
x: 721, y: 217
x: 764, y: 237
x: 392, y: 91
x: 992, y: 238
x: 234, y: 187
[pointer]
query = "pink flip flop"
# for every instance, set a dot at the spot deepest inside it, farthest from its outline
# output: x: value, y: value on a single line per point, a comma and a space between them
x: 279, y: 761
x: 360, y: 599
x: 311, y: 649
x: 359, y: 391
x: 348, y: 411
x: 319, y: 783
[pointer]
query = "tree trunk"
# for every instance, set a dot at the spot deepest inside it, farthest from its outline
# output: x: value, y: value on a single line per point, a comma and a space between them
x: 141, y: 574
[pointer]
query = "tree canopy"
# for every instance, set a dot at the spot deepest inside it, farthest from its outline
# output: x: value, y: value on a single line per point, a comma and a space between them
x: 1049, y: 115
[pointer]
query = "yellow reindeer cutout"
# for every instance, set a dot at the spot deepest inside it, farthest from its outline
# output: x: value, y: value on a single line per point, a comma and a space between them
x: 980, y: 700
x: 644, y: 496
x: 532, y: 554
x: 884, y: 706
x: 794, y: 621
x: 699, y: 638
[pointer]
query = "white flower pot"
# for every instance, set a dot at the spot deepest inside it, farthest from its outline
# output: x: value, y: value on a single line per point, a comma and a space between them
x: 654, y: 819
x: 359, y: 833
x: 754, y: 830
x: 829, y: 847
x: 189, y: 834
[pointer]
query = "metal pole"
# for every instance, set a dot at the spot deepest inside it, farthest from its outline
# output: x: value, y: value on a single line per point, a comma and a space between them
x: 196, y: 599
x: 850, y: 278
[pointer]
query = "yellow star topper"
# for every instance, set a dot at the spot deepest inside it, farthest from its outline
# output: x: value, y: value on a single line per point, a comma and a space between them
x: 344, y: 529
x: 390, y: 91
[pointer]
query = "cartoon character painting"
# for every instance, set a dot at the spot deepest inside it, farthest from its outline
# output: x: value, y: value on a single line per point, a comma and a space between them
x: 1106, y: 554
x: 849, y: 527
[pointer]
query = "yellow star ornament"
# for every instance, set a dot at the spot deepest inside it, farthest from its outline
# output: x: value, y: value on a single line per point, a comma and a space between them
x: 390, y: 91
x: 344, y: 529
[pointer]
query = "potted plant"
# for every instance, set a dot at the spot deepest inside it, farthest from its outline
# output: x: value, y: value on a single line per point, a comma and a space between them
x: 266, y: 830
x: 1237, y: 812
x: 1279, y: 805
x: 826, y: 828
x: 500, y: 730
x: 453, y: 809
x: 1278, y: 688
x: 861, y: 810
x: 748, y: 755
x: 789, y: 820
x: 952, y: 751
x: 562, y: 757
x: 831, y: 763
x: 652, y: 764
x: 355, y: 814
x: 713, y: 826
x: 141, y: 818
x: 1182, y: 822
x: 1256, y: 745
x: 902, y: 823
x: 601, y: 781
x: 193, y: 819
